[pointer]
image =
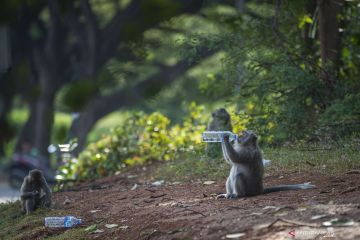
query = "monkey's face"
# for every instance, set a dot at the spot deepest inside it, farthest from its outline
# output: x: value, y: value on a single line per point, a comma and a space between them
x: 36, y: 177
x: 221, y: 114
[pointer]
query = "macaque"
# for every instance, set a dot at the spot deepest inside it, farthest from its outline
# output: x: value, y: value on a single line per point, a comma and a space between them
x: 220, y: 121
x: 35, y: 192
x: 247, y: 170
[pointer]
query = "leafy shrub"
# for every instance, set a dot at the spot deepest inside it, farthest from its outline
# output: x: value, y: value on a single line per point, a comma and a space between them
x: 144, y: 138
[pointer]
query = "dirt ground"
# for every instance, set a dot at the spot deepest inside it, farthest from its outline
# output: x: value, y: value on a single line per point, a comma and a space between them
x: 176, y: 210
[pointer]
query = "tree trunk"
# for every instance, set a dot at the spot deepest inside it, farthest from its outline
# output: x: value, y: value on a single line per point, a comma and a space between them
x: 309, y: 46
x: 6, y: 97
x: 329, y: 38
x: 240, y: 5
x: 37, y: 129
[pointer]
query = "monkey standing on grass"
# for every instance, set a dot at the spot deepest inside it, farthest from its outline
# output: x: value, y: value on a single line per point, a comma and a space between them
x: 220, y: 122
x: 34, y: 192
x: 247, y: 170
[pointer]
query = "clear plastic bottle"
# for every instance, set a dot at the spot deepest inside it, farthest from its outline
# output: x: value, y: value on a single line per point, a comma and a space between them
x: 62, y: 222
x: 216, y: 136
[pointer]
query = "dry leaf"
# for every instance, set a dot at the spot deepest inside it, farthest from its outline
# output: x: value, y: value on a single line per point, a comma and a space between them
x: 111, y: 225
x: 235, y: 235
x: 158, y: 183
x: 315, y: 217
x: 208, y: 182
x: 94, y: 211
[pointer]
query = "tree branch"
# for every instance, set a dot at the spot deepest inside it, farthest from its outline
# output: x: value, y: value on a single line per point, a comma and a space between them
x: 130, y: 23
x: 128, y: 97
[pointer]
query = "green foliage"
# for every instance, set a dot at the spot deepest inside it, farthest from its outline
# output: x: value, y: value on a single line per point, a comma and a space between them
x: 61, y: 127
x: 76, y: 95
x: 273, y: 73
x: 141, y: 138
x: 343, y: 110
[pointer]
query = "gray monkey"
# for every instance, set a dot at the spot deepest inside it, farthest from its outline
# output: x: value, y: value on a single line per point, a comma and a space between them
x: 247, y: 170
x: 220, y: 121
x: 35, y: 192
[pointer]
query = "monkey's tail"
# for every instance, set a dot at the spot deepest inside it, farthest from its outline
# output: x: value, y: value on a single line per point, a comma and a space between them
x: 279, y: 188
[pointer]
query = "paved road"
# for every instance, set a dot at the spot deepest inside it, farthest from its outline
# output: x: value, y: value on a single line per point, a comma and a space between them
x: 7, y: 193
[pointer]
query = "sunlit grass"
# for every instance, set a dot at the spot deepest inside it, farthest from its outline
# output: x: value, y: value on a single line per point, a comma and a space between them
x: 191, y: 167
x: 18, y: 116
x: 104, y: 125
x: 322, y: 160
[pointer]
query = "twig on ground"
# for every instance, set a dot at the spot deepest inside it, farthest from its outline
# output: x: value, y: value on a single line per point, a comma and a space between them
x: 294, y: 223
x: 189, y: 209
x: 350, y: 189
x: 158, y: 196
x: 353, y: 172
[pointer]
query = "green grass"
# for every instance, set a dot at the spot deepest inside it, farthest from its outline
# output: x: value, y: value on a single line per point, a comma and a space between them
x: 15, y: 225
x: 192, y: 167
x: 18, y: 116
x: 320, y: 159
x: 104, y: 125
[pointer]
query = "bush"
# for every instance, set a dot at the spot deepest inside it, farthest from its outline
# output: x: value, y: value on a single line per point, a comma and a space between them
x: 144, y: 138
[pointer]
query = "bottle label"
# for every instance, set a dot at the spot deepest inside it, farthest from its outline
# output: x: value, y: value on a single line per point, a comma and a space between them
x: 217, y: 136
x: 67, y: 222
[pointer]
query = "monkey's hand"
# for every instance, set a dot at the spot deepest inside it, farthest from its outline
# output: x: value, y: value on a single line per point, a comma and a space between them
x: 225, y: 137
x: 35, y: 193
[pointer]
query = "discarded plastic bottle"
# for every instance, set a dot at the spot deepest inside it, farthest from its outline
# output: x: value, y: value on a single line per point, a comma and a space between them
x: 62, y: 222
x: 217, y: 136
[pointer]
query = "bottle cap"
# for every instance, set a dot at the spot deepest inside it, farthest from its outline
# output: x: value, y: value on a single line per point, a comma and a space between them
x: 78, y: 221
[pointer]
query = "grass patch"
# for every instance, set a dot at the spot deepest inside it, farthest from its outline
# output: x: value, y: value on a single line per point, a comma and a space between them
x: 320, y: 159
x: 15, y: 225
x: 192, y: 167
x: 104, y: 126
x: 73, y: 233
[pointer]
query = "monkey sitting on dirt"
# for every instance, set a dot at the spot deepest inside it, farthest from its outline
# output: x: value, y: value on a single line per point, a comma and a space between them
x: 35, y: 192
x: 220, y: 121
x: 247, y: 170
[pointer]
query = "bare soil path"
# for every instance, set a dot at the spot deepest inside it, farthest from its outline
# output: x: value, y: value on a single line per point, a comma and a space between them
x: 191, y: 211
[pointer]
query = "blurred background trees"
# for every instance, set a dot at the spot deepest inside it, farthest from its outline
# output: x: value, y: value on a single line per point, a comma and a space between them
x: 286, y: 69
